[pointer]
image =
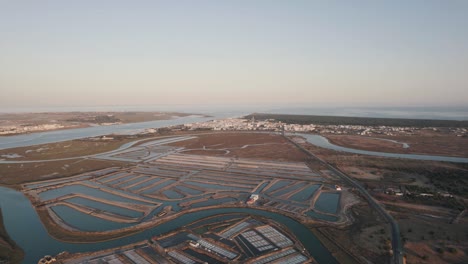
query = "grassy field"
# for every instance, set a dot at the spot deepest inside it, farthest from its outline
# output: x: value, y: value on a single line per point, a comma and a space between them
x: 14, y: 174
x: 65, y: 149
x: 243, y: 145
x: 440, y: 176
x: 8, y: 249
x: 429, y: 236
x: 85, y: 117
x: 367, y: 237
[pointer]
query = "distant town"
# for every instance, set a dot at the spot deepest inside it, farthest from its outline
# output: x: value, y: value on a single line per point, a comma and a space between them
x: 23, y: 123
x: 274, y: 125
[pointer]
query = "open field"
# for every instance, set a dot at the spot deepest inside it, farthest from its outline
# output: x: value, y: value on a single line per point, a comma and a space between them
x: 83, y: 147
x: 243, y: 145
x: 65, y: 149
x: 430, y: 236
x: 13, y: 174
x: 367, y: 238
x: 424, y: 142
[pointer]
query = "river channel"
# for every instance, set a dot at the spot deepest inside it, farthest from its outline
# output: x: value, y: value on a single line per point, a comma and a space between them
x: 24, y: 226
x: 323, y: 142
x: 93, y: 131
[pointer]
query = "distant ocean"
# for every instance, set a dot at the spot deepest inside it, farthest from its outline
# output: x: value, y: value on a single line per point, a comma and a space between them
x: 444, y: 113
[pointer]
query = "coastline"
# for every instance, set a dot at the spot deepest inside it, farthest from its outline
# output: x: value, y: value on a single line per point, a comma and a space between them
x: 85, y: 124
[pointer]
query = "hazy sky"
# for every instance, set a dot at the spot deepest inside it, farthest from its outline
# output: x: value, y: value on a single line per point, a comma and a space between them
x: 355, y: 53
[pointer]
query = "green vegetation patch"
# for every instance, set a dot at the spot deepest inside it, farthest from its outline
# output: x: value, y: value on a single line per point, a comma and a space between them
x: 363, y: 121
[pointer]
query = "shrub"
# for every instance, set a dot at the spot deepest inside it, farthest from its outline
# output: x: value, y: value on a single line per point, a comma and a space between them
x: 452, y: 250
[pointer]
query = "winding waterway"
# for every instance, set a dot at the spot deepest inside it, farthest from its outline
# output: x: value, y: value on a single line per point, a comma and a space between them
x: 323, y: 142
x: 24, y: 226
x: 76, y: 133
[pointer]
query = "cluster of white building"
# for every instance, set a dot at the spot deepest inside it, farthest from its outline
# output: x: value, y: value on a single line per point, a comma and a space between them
x: 272, y: 125
x: 235, y: 124
x: 461, y: 131
x: 9, y: 130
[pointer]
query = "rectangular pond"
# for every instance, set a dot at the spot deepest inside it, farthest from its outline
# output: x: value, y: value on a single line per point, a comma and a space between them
x: 84, y: 221
x: 81, y: 189
x: 188, y: 190
x: 305, y: 194
x: 159, y: 186
x: 277, y: 185
x: 105, y: 207
x: 320, y: 216
x: 111, y: 177
x: 131, y: 182
x: 143, y: 184
x: 262, y: 186
x: 213, y: 202
x: 289, y: 189
x: 216, y: 186
x: 171, y: 194
x: 328, y: 203
x: 120, y: 180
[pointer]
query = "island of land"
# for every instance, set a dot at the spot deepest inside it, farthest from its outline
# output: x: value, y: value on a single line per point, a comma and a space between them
x: 21, y: 123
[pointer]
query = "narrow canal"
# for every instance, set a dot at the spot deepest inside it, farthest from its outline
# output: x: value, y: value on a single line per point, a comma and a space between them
x: 24, y: 226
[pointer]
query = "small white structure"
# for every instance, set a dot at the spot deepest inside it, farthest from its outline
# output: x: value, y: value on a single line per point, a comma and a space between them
x: 253, y: 198
x: 194, y: 244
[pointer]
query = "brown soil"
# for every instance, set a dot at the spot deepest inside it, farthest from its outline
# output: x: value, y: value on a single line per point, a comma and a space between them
x: 424, y: 253
x: 243, y: 145
x: 64, y: 117
x: 433, y: 240
x: 421, y: 208
x: 363, y: 173
x: 13, y: 174
x: 65, y: 149
x: 424, y: 143
x: 133, y: 117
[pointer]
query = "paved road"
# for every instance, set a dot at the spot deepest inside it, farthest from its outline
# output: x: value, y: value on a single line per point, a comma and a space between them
x: 397, y: 245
